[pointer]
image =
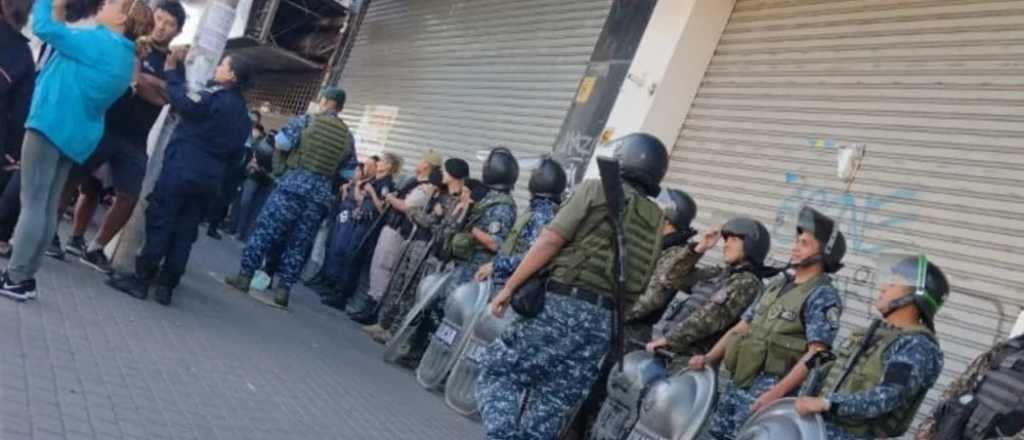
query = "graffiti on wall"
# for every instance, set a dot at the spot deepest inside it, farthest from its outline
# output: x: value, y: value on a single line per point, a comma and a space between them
x: 574, y: 153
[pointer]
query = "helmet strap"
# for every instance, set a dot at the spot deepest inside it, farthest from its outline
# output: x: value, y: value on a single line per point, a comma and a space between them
x: 898, y: 304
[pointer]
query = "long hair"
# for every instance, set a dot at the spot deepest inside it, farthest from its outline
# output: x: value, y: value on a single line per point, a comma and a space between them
x: 140, y: 22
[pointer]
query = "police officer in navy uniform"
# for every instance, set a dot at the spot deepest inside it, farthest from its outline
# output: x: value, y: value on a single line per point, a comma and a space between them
x: 546, y: 364
x: 900, y: 361
x: 212, y: 132
x: 793, y: 319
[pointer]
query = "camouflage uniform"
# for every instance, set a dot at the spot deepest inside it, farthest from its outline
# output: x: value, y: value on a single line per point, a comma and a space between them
x: 396, y: 302
x: 821, y: 312
x: 551, y: 360
x: 649, y: 306
x: 967, y: 383
x: 924, y: 358
x: 542, y: 211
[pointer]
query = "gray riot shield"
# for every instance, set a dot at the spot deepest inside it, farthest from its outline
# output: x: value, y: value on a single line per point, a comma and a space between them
x: 431, y: 287
x: 461, y: 310
x: 780, y: 420
x: 460, y: 391
x: 626, y: 387
x: 678, y: 407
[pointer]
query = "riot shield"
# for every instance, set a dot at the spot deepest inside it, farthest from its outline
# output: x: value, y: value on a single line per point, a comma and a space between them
x: 431, y: 286
x: 678, y: 407
x: 626, y: 388
x: 460, y: 391
x: 461, y: 310
x: 780, y: 420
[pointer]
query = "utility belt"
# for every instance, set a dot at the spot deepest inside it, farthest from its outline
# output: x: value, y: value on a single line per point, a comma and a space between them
x: 597, y: 299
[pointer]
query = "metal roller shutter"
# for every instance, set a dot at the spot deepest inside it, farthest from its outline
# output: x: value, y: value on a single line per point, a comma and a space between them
x: 465, y: 75
x: 935, y: 89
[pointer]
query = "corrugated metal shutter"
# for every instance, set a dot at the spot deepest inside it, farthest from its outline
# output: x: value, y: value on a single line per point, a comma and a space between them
x: 935, y: 89
x: 466, y: 75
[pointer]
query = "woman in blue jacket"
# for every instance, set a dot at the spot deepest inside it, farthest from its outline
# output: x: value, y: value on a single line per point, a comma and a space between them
x: 89, y: 70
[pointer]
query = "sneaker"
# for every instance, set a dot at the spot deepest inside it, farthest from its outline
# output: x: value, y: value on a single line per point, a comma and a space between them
x: 22, y: 291
x: 55, y: 250
x: 77, y: 246
x: 162, y: 295
x: 98, y: 260
x: 128, y: 284
x: 239, y: 282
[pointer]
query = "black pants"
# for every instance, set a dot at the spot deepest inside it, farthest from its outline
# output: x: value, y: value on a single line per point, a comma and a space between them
x: 10, y: 206
x: 176, y: 208
x: 230, y: 195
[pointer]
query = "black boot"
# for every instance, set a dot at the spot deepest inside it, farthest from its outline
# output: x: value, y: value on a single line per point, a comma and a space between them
x: 162, y: 295
x: 367, y: 315
x: 130, y: 284
x: 335, y: 301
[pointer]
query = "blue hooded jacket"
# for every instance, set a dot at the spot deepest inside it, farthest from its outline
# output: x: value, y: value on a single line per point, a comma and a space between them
x: 90, y: 69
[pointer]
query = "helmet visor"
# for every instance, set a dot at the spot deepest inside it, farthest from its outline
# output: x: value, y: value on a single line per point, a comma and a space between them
x: 908, y: 270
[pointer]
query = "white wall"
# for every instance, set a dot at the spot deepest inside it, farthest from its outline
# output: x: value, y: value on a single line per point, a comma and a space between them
x: 667, y: 69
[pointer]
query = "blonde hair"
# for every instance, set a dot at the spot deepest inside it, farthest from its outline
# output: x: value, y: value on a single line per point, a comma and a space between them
x: 140, y: 22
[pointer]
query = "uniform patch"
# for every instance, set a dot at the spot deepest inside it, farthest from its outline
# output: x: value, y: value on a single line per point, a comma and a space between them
x: 343, y: 217
x: 494, y: 227
x: 832, y: 316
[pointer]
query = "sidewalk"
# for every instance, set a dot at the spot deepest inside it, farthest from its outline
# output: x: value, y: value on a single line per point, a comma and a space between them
x: 87, y: 362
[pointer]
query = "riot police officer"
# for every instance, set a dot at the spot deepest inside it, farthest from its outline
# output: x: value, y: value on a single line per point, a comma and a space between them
x: 792, y: 320
x: 552, y: 359
x: 880, y: 379
x: 985, y: 401
x: 719, y: 295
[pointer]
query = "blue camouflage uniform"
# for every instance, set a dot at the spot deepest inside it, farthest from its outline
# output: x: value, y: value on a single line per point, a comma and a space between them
x: 916, y: 352
x: 542, y: 211
x: 497, y: 221
x: 291, y: 216
x: 821, y: 324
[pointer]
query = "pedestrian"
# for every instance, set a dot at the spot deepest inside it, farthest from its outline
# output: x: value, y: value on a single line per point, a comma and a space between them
x: 123, y: 145
x: 90, y: 69
x: 17, y: 79
x: 718, y: 296
x: 387, y: 252
x: 359, y: 252
x: 210, y: 135
x: 984, y: 401
x: 881, y: 376
x: 401, y: 290
x: 256, y: 188
x: 539, y: 369
x: 802, y: 310
x: 299, y: 202
x: 234, y: 176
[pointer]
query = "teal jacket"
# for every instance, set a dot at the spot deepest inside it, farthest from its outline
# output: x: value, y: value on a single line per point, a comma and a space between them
x: 89, y: 70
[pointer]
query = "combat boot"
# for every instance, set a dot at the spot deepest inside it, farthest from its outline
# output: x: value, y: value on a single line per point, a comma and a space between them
x: 277, y: 297
x: 239, y: 282
x: 129, y: 283
x: 335, y: 301
x: 367, y: 314
x: 162, y: 295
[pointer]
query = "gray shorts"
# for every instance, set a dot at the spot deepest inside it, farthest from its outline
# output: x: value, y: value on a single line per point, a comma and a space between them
x: 126, y: 160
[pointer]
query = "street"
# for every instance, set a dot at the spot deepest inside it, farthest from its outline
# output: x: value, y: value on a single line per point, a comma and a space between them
x: 86, y: 362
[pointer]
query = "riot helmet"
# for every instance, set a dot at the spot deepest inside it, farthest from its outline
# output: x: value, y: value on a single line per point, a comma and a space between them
x: 680, y: 209
x: 548, y: 180
x: 928, y: 284
x: 826, y: 231
x: 501, y: 170
x: 643, y: 161
x: 756, y: 240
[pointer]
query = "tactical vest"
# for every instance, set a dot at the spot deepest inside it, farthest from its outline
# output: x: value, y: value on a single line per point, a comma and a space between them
x: 682, y: 306
x: 588, y: 261
x: 1000, y: 396
x: 325, y: 143
x: 509, y: 247
x: 463, y: 245
x: 776, y: 340
x: 867, y: 374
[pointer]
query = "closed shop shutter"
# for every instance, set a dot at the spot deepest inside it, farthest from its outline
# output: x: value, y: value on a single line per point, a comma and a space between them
x: 934, y: 89
x: 465, y: 75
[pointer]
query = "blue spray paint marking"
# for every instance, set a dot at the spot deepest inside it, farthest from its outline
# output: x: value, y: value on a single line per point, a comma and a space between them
x: 856, y: 215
